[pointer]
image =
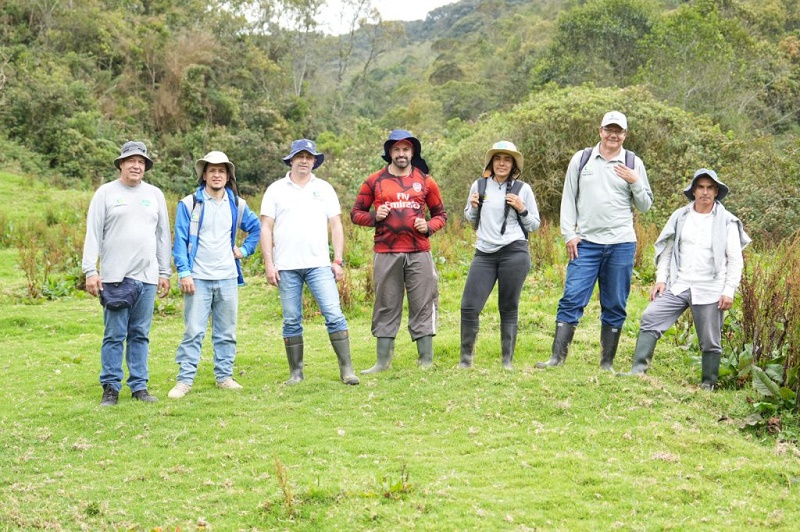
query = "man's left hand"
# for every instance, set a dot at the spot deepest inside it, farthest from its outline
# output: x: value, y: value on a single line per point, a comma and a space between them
x: 338, y: 271
x: 421, y: 225
x: 725, y: 303
x: 626, y: 173
x: 163, y: 286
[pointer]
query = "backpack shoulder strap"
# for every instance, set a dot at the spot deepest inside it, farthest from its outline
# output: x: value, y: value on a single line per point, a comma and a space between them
x: 481, y: 193
x: 630, y: 159
x: 240, y: 214
x: 587, y: 153
x: 195, y: 209
x: 515, y: 188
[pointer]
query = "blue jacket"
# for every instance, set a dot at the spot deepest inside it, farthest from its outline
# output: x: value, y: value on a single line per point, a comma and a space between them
x: 185, y: 246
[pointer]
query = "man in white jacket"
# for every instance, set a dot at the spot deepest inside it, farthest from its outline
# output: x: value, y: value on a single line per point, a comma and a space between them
x: 699, y: 266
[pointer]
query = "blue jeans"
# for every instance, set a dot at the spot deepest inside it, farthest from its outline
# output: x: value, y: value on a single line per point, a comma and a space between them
x: 322, y: 285
x: 132, y: 326
x: 220, y: 300
x: 611, y: 267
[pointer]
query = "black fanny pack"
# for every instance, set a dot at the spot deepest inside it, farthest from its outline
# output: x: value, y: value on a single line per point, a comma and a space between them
x: 116, y: 296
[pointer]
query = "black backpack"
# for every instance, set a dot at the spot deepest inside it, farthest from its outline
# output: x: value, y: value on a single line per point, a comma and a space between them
x: 630, y: 162
x: 516, y: 186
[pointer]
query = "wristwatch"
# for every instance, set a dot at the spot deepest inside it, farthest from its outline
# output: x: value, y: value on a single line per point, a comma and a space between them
x: 340, y: 262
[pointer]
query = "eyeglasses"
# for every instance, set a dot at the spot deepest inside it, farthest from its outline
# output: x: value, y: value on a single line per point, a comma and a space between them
x: 612, y: 131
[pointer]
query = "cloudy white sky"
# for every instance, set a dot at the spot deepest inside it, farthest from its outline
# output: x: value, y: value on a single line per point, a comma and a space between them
x: 390, y: 10
x: 407, y: 9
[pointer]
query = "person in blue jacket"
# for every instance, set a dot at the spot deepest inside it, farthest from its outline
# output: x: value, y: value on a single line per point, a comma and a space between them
x: 209, y: 268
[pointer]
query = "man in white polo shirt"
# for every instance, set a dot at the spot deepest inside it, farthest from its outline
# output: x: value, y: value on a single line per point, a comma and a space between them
x: 296, y: 213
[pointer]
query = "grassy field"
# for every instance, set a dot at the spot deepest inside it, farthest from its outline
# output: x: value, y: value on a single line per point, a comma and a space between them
x: 443, y: 449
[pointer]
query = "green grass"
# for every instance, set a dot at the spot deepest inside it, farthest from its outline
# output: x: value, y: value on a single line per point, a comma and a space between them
x: 444, y: 449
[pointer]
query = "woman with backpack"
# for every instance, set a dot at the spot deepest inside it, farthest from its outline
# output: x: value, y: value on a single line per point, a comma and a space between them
x: 503, y: 211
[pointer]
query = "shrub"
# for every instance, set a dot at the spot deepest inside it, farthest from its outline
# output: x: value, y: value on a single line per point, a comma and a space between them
x: 764, y: 331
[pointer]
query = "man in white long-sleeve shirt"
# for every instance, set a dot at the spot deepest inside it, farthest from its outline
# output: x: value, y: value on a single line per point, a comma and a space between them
x: 127, y: 228
x: 699, y: 266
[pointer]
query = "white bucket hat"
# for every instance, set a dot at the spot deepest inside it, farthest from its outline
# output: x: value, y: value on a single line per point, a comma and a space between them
x: 503, y: 146
x: 214, y: 157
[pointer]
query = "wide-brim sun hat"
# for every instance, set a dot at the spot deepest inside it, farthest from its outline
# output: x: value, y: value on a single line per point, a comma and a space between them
x: 401, y: 134
x: 711, y: 174
x: 503, y: 146
x: 305, y: 145
x: 214, y: 157
x: 131, y: 148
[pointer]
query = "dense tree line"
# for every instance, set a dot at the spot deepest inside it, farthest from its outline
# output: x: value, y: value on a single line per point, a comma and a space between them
x: 707, y: 82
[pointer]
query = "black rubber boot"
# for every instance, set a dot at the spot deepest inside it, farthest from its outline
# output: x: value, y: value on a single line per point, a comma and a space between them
x: 385, y: 356
x: 710, y: 368
x: 341, y: 346
x: 425, y: 351
x: 609, y: 340
x: 294, y: 354
x: 561, y: 341
x: 469, y: 335
x: 508, y: 341
x: 643, y: 353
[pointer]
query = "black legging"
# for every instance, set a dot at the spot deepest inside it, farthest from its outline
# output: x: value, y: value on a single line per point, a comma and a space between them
x: 509, y: 266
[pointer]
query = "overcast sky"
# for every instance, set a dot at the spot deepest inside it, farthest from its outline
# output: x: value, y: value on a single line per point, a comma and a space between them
x: 392, y: 9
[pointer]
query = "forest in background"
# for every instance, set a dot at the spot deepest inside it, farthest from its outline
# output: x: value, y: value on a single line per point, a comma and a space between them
x: 704, y: 83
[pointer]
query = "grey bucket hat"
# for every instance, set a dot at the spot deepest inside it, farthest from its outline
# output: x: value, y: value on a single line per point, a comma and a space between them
x: 711, y: 174
x: 131, y: 148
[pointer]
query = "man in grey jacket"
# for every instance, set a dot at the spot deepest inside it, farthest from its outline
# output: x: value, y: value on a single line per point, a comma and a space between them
x: 127, y: 228
x: 699, y: 266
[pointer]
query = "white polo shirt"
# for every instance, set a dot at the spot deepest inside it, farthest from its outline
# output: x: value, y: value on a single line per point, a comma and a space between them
x: 300, y: 234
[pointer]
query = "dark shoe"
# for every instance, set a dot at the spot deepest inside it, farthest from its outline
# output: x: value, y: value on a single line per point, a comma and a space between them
x: 110, y: 395
x: 144, y: 396
x: 561, y: 341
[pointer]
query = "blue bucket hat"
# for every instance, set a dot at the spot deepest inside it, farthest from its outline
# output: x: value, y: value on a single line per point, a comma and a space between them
x: 711, y: 174
x: 304, y: 145
x: 401, y: 134
x: 131, y: 148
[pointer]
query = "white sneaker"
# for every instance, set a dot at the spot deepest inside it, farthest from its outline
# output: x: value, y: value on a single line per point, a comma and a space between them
x: 179, y: 390
x: 229, y: 384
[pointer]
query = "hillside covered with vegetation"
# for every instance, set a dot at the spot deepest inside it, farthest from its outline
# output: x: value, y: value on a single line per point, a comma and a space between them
x: 706, y: 82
